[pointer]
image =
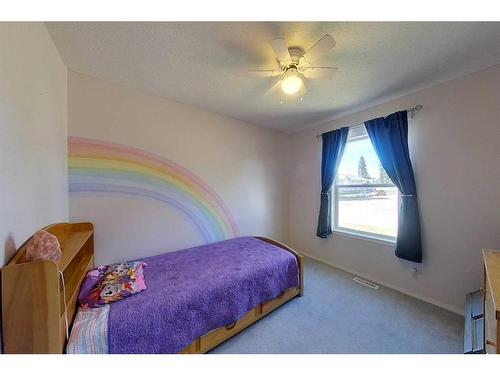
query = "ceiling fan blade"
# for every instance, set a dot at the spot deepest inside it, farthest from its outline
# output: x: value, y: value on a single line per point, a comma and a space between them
x: 274, y: 88
x: 265, y: 72
x: 322, y: 46
x: 280, y: 50
x: 325, y: 72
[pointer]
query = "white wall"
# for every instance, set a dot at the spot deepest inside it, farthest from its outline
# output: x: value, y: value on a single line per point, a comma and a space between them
x: 33, y: 132
x: 244, y: 164
x: 455, y: 151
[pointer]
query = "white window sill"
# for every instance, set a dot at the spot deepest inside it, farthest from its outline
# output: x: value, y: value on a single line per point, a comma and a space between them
x: 365, y: 237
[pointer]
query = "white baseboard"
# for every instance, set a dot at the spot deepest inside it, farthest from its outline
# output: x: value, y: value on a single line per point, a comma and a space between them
x: 443, y: 305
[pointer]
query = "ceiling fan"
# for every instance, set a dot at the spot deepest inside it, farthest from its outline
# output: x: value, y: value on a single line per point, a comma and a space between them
x: 295, y: 65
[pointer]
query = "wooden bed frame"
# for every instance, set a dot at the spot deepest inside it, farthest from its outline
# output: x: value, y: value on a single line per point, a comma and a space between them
x: 33, y: 317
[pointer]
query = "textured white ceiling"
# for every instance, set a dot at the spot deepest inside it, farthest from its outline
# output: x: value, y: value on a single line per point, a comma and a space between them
x: 204, y: 63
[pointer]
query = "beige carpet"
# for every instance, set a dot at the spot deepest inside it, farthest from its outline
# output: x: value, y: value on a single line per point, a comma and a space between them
x: 337, y: 315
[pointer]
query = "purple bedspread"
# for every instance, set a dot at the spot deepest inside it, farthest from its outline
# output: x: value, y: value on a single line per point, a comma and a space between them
x: 193, y: 291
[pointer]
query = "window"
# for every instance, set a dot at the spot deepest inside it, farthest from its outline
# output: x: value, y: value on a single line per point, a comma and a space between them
x: 366, y: 200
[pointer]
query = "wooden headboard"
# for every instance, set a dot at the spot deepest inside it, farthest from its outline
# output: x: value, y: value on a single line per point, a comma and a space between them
x: 33, y: 316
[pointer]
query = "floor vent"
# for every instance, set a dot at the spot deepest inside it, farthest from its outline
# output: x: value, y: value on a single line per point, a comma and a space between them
x: 365, y: 283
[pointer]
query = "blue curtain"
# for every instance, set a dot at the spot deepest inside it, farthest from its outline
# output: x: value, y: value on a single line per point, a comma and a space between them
x: 389, y: 137
x: 333, y: 147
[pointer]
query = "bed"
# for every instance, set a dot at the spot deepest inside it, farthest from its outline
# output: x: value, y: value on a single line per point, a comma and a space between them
x: 196, y: 298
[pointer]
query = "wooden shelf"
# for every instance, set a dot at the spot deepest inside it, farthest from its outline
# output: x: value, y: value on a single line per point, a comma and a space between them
x: 33, y: 316
x: 75, y: 279
x: 491, y: 260
x: 71, y: 245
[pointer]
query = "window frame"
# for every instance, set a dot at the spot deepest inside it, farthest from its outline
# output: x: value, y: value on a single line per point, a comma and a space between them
x: 358, y: 133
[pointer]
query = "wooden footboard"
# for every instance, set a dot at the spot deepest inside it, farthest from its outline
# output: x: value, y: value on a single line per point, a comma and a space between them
x: 210, y: 340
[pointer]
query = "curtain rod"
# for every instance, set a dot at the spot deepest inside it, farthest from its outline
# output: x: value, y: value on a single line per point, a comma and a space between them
x: 411, y: 110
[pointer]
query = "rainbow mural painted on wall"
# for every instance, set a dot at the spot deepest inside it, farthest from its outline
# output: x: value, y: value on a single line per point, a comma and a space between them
x: 103, y: 167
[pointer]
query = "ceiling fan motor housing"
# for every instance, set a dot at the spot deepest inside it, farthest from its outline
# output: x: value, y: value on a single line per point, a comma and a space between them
x: 296, y: 58
x: 290, y: 68
x: 295, y: 54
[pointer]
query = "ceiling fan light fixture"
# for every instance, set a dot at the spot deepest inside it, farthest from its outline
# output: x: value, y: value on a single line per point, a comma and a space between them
x: 295, y: 65
x: 291, y: 84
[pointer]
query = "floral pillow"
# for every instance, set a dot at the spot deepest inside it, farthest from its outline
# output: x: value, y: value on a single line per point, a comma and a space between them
x: 111, y: 283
